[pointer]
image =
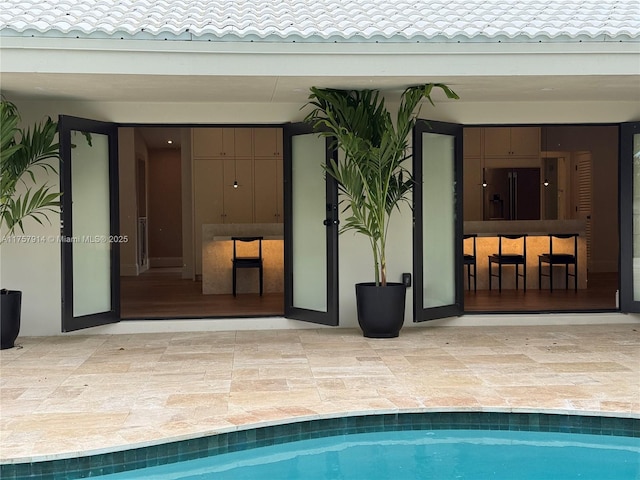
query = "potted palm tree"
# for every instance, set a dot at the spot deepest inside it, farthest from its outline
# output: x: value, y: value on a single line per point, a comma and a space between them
x: 22, y: 153
x: 373, y: 181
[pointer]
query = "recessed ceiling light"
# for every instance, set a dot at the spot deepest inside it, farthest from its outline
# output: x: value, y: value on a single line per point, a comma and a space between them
x: 169, y: 142
x: 546, y: 89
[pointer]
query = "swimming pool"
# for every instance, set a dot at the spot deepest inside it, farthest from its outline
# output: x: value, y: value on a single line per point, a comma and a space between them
x: 418, y: 454
x: 398, y: 445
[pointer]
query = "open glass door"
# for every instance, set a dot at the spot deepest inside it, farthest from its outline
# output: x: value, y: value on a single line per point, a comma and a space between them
x: 437, y: 232
x: 89, y: 223
x: 310, y: 228
x: 630, y: 217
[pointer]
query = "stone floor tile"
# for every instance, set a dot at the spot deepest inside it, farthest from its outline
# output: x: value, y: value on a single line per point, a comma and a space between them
x: 70, y: 394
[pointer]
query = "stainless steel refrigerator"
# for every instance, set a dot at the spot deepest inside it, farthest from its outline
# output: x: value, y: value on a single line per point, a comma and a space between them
x: 512, y: 194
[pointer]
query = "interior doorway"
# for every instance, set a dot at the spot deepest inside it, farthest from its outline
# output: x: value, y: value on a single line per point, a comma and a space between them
x: 573, y: 189
x: 184, y: 193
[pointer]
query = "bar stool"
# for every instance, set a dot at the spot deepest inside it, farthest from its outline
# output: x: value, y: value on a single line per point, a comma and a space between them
x: 469, y: 261
x: 247, y: 262
x: 514, y: 259
x: 565, y: 259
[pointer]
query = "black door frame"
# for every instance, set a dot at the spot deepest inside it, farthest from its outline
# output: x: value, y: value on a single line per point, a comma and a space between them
x: 331, y: 316
x: 627, y: 132
x: 74, y: 123
x: 620, y: 162
x: 67, y: 124
x: 420, y: 313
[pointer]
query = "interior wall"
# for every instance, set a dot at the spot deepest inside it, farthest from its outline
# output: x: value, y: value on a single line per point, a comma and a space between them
x: 188, y: 258
x: 128, y: 201
x: 165, y: 208
x: 468, y: 113
x: 141, y: 155
x: 131, y: 149
x: 602, y: 142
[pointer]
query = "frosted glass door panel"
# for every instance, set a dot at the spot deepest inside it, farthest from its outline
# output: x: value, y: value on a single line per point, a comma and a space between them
x: 438, y: 226
x: 308, y: 214
x: 90, y: 224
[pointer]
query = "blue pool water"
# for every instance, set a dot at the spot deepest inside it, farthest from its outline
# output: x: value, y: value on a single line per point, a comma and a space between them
x: 419, y: 454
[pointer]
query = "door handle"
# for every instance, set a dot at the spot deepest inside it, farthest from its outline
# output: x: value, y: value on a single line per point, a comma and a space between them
x: 332, y: 213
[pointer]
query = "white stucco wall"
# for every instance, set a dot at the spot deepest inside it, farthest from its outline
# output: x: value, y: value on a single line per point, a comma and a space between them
x: 468, y: 113
x: 36, y: 270
x: 32, y: 264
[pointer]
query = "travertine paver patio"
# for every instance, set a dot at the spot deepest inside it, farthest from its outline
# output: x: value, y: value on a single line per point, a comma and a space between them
x: 70, y: 395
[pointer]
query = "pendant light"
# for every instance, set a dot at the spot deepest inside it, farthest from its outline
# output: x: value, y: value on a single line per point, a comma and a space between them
x: 546, y: 148
x: 484, y: 179
x: 235, y: 164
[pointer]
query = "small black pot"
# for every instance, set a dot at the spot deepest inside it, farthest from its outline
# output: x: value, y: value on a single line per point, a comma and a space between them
x: 10, y: 305
x: 380, y: 309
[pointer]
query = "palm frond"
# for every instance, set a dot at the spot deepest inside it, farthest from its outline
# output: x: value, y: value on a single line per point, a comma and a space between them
x: 372, y: 179
x: 22, y: 153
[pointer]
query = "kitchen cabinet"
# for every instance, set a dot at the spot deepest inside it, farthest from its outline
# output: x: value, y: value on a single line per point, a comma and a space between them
x: 216, y: 199
x: 238, y: 201
x: 268, y: 190
x: 512, y: 142
x: 208, y: 199
x: 280, y: 190
x: 250, y: 156
x: 267, y: 142
x: 472, y: 141
x: 473, y: 190
x: 221, y: 142
x: 212, y: 142
x: 472, y: 167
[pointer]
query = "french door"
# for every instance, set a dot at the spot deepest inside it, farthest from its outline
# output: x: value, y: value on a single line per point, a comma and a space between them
x: 630, y: 217
x: 89, y: 223
x: 437, y: 232
x: 310, y: 227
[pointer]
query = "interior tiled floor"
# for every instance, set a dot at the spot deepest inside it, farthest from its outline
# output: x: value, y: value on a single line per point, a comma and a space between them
x: 68, y: 395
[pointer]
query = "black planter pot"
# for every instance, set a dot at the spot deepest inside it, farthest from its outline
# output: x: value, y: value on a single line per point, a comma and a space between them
x: 380, y: 309
x: 10, y: 303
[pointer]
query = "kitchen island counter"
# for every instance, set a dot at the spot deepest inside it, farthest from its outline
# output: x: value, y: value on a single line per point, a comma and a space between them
x: 217, y: 253
x: 537, y: 243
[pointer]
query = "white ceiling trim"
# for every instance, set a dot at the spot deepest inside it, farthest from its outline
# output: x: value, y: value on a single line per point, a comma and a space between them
x: 65, y: 56
x: 150, y: 71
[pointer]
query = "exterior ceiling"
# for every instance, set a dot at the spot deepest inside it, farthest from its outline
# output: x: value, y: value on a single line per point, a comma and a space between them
x: 278, y: 89
x: 54, y: 64
x: 98, y: 51
x: 273, y: 51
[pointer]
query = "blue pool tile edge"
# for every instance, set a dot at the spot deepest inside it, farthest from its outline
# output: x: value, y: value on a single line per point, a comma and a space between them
x: 176, y: 451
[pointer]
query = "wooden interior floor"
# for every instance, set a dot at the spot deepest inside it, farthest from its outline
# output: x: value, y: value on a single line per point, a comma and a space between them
x: 599, y: 295
x: 162, y: 293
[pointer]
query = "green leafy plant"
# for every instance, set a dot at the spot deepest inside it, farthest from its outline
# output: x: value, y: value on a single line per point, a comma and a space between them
x: 372, y: 179
x: 22, y: 152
